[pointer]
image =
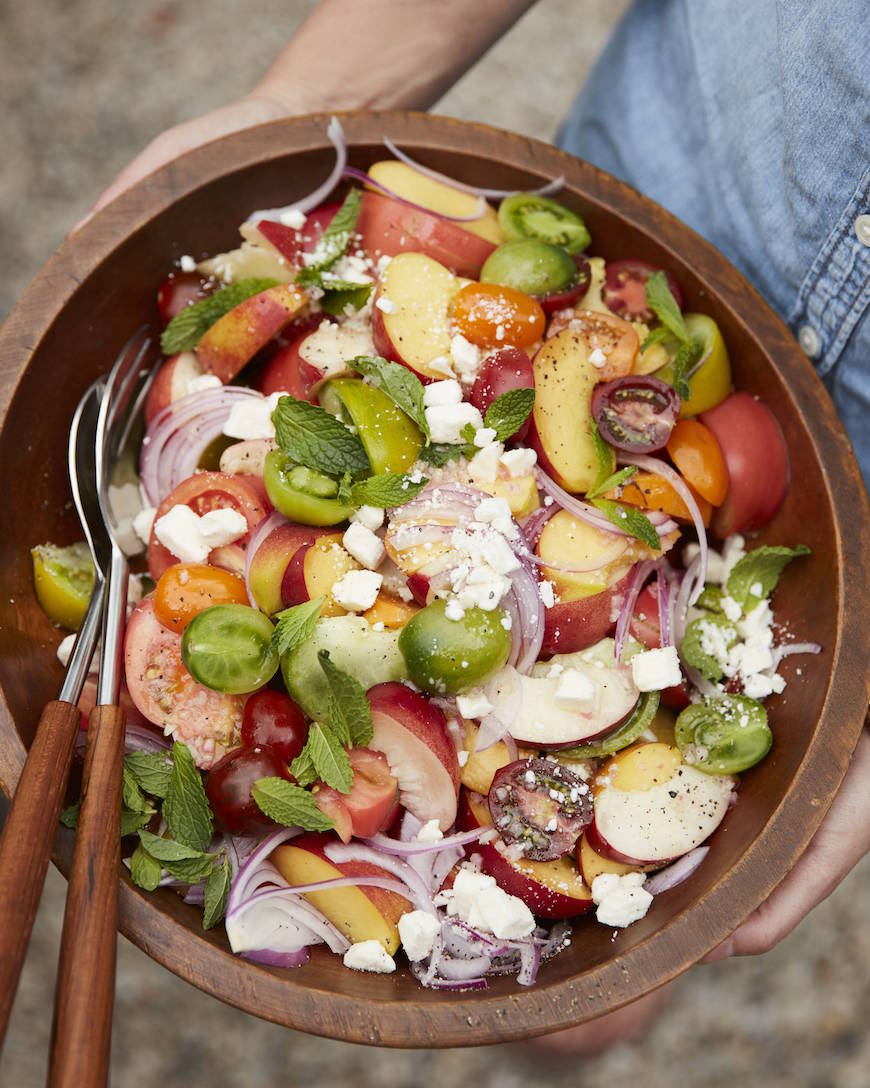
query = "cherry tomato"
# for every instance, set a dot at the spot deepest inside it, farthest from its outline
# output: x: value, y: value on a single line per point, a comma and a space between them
x: 481, y: 309
x: 635, y: 413
x: 179, y: 290
x: 287, y: 371
x: 186, y: 589
x: 203, y: 492
x: 525, y: 811
x: 624, y: 289
x: 560, y: 300
x: 272, y: 719
x: 500, y: 372
x: 371, y: 802
x: 228, y: 787
x: 166, y: 694
x: 614, y: 338
x: 648, y: 491
x: 695, y: 451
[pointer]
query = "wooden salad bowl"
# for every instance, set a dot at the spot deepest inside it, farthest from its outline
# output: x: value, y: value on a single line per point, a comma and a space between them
x: 100, y: 287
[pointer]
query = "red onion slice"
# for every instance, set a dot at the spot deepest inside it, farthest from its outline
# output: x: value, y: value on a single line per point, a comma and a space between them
x: 639, y: 574
x: 272, y: 958
x: 681, y: 608
x: 533, y: 525
x: 675, y: 874
x: 530, y: 960
x: 258, y: 858
x: 315, y: 198
x: 659, y: 468
x: 542, y: 190
x: 524, y: 588
x: 789, y: 648
x: 366, y: 179
x: 419, y: 893
x: 385, y: 844
x: 590, y: 515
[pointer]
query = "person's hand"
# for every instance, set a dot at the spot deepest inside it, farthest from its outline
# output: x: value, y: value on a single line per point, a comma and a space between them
x: 838, y: 845
x: 248, y: 111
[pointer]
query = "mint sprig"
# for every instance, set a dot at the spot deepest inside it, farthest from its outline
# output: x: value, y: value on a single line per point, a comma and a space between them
x: 631, y: 521
x: 509, y: 412
x: 337, y: 298
x: 761, y: 567
x: 289, y: 805
x: 663, y: 304
x: 605, y: 456
x: 217, y: 892
x: 189, y: 326
x: 401, y: 385
x: 439, y: 454
x: 386, y: 490
x: 313, y: 438
x: 332, y: 244
x: 617, y: 479
x: 184, y: 862
x: 329, y: 757
x: 295, y: 625
x: 692, y: 647
x: 151, y: 770
x: 186, y: 809
x: 348, y: 710
x: 144, y: 869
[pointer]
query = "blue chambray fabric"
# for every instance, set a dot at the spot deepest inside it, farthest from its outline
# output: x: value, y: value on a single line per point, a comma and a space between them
x: 750, y: 120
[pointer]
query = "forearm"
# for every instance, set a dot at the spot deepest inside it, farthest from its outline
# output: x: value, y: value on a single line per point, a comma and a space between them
x: 383, y: 54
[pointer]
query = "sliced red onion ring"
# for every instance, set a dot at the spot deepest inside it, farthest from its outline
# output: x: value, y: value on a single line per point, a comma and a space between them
x: 387, y: 845
x: 441, y: 866
x: 319, y: 885
x: 419, y: 893
x: 530, y: 960
x: 511, y: 746
x: 257, y: 859
x: 262, y: 530
x: 665, y: 597
x: 366, y: 179
x: 590, y: 515
x: 455, y: 969
x: 533, y: 525
x: 504, y: 709
x: 315, y: 198
x: 675, y: 874
x: 272, y: 958
x: 659, y: 468
x: 639, y: 574
x: 542, y: 190
x: 681, y: 607
x: 524, y: 587
x: 789, y: 648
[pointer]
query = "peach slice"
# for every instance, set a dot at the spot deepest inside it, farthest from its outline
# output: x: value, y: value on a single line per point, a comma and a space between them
x: 412, y: 734
x: 171, y: 382
x: 593, y: 864
x: 550, y: 889
x: 480, y: 767
x: 566, y: 541
x: 390, y: 611
x: 270, y: 562
x: 234, y: 339
x: 561, y: 430
x: 361, y: 913
x: 313, y: 571
x: 418, y: 329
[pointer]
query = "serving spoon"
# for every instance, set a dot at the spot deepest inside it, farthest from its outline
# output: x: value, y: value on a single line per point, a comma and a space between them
x: 31, y: 824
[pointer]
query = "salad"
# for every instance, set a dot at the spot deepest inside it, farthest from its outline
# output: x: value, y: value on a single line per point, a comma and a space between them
x: 434, y: 651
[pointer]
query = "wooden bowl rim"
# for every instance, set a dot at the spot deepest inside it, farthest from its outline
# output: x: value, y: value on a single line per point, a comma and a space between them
x: 439, y: 1020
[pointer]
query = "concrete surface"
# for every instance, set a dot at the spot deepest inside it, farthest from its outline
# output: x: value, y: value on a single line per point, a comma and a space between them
x: 84, y: 85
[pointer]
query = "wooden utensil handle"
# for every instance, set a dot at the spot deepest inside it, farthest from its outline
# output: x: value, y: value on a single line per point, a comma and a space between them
x: 28, y: 835
x: 82, y: 1029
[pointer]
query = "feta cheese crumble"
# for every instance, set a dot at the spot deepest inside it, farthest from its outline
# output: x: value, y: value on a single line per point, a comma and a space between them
x: 519, y: 462
x: 357, y: 590
x: 439, y: 394
x: 372, y: 517
x: 479, y: 901
x: 294, y: 219
x: 418, y: 930
x: 576, y: 691
x: 473, y: 704
x: 465, y: 357
x: 190, y: 538
x: 620, y: 900
x: 364, y: 545
x: 653, y: 670
x: 369, y: 956
x: 446, y: 421
x: 429, y: 832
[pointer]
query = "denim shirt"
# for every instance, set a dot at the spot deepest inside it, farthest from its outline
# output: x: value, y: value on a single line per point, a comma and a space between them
x: 750, y: 120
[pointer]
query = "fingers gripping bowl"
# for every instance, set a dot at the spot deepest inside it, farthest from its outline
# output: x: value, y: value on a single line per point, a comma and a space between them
x: 99, y: 288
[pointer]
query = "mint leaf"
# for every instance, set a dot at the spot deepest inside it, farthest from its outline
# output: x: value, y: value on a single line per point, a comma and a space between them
x: 295, y: 625
x: 133, y: 797
x: 189, y: 326
x: 132, y: 821
x: 630, y: 520
x: 438, y: 454
x: 302, y: 768
x: 168, y: 850
x: 152, y: 770
x: 144, y: 869
x: 329, y: 757
x: 350, y: 716
x: 337, y: 299
x: 468, y: 432
x: 186, y: 808
x: 345, y: 490
x: 70, y: 815
x: 663, y: 304
x: 711, y: 599
x: 616, y: 480
x: 692, y: 647
x: 687, y: 353
x: 289, y: 805
x: 317, y: 440
x: 656, y: 336
x: 334, y: 241
x: 509, y: 412
x: 387, y: 489
x: 760, y: 568
x: 606, y: 459
x: 217, y: 892
x: 400, y: 384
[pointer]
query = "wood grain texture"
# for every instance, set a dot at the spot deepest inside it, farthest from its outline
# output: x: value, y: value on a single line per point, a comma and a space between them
x: 98, y: 289
x: 28, y: 836
x: 82, y: 1029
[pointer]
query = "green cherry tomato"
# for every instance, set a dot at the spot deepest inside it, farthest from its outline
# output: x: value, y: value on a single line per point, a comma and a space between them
x: 711, y: 381
x: 531, y: 266
x: 445, y: 655
x: 526, y: 215
x: 391, y: 439
x: 301, y: 494
x: 724, y: 736
x: 228, y: 648
x: 64, y: 580
x: 631, y: 729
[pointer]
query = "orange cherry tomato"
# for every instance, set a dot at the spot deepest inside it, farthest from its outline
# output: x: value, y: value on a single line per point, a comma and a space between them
x: 481, y: 309
x: 695, y: 451
x: 650, y: 492
x: 186, y: 589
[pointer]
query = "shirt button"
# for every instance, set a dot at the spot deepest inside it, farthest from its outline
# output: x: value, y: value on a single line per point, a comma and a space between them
x: 809, y: 340
x: 862, y: 229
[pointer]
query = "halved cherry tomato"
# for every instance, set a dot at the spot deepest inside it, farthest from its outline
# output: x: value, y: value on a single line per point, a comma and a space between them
x: 167, y: 695
x: 650, y: 492
x: 179, y: 290
x: 228, y: 787
x: 372, y: 798
x: 614, y: 338
x: 481, y: 309
x: 635, y: 413
x: 203, y: 492
x: 272, y: 719
x: 186, y: 589
x: 500, y: 372
x: 560, y: 300
x: 695, y: 451
x: 541, y: 805
x: 624, y: 289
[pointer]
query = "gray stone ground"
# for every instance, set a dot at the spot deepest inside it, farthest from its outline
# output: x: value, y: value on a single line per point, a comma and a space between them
x: 84, y: 84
